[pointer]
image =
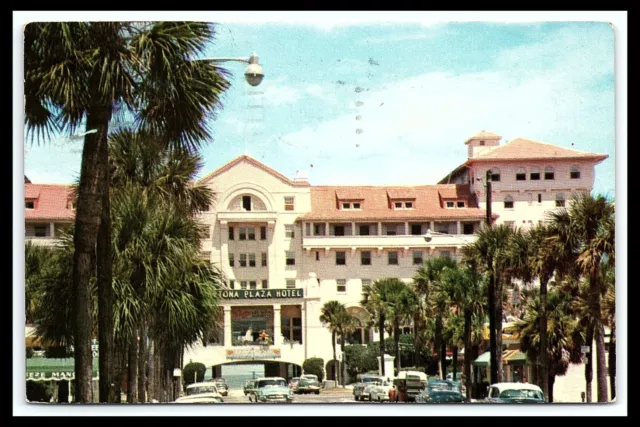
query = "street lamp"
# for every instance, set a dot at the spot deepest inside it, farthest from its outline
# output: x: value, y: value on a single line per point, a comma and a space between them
x: 253, y: 74
x: 429, y: 236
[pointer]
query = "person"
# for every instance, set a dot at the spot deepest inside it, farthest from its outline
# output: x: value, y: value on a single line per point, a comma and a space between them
x: 524, y: 380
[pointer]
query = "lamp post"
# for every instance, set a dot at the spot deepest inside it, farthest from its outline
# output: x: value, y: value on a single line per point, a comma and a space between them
x: 253, y: 74
x: 488, y: 179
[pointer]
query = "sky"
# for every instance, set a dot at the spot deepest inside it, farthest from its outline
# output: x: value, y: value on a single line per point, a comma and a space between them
x: 393, y: 103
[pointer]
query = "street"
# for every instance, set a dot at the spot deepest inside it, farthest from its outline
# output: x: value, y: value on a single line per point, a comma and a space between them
x: 326, y: 396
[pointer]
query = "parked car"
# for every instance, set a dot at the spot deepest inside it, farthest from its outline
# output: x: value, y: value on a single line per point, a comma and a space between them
x: 362, y: 389
x: 223, y: 387
x: 271, y: 390
x: 308, y: 384
x: 515, y: 393
x: 206, y: 392
x: 379, y: 391
x: 441, y: 391
x: 293, y: 384
x: 248, y: 388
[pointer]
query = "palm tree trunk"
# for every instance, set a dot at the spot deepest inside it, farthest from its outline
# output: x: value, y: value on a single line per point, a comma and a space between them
x: 88, y: 213
x: 467, y: 351
x: 133, y: 368
x: 105, y: 290
x: 381, y: 328
x: 437, y: 344
x: 336, y: 369
x: 499, y: 313
x: 142, y: 359
x: 493, y: 343
x: 152, y: 372
x: 588, y: 367
x: 601, y: 367
x: 416, y: 341
x: 396, y: 342
x: 612, y: 361
x: 550, y: 381
x: 454, y: 361
x: 344, y: 365
x: 542, y: 327
x: 443, y: 358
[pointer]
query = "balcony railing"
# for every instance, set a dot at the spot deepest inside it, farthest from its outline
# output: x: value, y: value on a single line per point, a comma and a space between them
x: 397, y: 241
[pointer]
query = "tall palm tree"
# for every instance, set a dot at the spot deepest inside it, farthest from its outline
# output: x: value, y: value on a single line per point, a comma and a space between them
x: 376, y: 308
x: 89, y: 74
x: 346, y: 324
x: 491, y: 251
x: 330, y: 316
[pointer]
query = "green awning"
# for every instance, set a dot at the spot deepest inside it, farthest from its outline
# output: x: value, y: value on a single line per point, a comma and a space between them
x: 46, y: 369
x: 516, y: 358
x: 483, y: 359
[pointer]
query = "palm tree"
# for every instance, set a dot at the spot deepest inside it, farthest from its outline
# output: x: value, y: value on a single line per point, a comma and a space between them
x: 491, y: 252
x: 90, y: 73
x: 330, y: 315
x: 373, y: 304
x: 346, y: 324
x: 587, y: 230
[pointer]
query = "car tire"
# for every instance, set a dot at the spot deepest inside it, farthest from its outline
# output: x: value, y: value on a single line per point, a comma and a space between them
x: 355, y: 398
x: 317, y: 392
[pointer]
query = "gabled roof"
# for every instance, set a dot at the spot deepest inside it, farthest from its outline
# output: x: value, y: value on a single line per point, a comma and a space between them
x: 256, y: 163
x: 376, y: 204
x: 52, y: 202
x: 527, y: 149
x: 483, y: 135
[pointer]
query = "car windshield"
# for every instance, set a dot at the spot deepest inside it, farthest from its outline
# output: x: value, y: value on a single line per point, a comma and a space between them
x: 271, y: 383
x: 370, y: 380
x: 442, y: 386
x: 521, y: 394
x: 201, y: 389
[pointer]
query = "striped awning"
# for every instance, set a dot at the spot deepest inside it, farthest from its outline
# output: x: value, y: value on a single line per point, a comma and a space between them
x: 509, y: 357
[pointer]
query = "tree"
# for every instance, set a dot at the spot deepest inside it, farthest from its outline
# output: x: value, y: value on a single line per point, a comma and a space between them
x: 345, y: 324
x: 372, y: 303
x: 313, y: 366
x: 330, y: 315
x: 88, y: 74
x: 193, y: 372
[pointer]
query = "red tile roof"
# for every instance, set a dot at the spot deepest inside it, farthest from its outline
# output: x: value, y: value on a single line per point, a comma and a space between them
x: 376, y: 204
x: 527, y: 149
x: 51, y: 202
x: 483, y: 135
x: 251, y: 160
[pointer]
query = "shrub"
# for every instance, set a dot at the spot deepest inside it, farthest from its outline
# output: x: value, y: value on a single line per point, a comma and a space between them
x: 314, y: 366
x: 360, y: 359
x: 193, y: 368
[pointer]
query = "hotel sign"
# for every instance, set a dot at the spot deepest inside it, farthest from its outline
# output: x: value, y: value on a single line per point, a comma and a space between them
x: 262, y: 293
x: 253, y: 352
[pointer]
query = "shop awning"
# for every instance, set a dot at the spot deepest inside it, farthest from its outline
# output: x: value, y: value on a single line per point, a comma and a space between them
x: 49, y: 369
x: 483, y: 359
x: 510, y: 357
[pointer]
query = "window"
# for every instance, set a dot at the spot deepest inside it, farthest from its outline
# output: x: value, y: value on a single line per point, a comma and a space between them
x: 253, y: 284
x: 398, y: 205
x: 341, y: 258
x: 403, y: 205
x: 317, y: 255
x: 364, y: 230
x: 265, y: 284
x: 341, y: 285
x: 263, y: 260
x: 365, y: 282
x: 263, y: 233
x: 288, y: 231
x: 521, y: 175
x: 508, y: 202
x: 252, y: 260
x: 231, y: 262
x: 41, y: 230
x: 535, y: 174
x: 242, y: 233
x: 445, y: 254
x: 232, y: 284
x: 356, y: 206
x: 416, y: 229
x: 417, y: 258
x: 291, y: 283
x: 338, y: 230
x: 393, y: 258
x: 292, y: 326
x: 560, y: 200
x: 495, y: 175
x: 408, y: 205
x: 467, y: 228
x: 450, y: 204
x: 251, y: 231
x: 246, y: 203
x: 291, y: 258
x: 365, y: 258
x: 29, y: 204
x: 460, y: 204
x: 288, y: 203
x: 346, y: 206
x: 574, y: 173
x: 539, y: 198
x: 243, y: 260
x: 230, y: 233
x: 243, y: 284
x: 481, y: 143
x: 548, y: 173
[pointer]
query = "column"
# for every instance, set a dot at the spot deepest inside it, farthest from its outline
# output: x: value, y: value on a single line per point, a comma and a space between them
x: 277, y: 330
x: 313, y: 226
x: 406, y: 228
x: 227, y: 327
x: 458, y: 230
x: 326, y: 229
x: 52, y: 228
x: 224, y: 244
x: 432, y: 225
x: 379, y: 229
x: 353, y: 229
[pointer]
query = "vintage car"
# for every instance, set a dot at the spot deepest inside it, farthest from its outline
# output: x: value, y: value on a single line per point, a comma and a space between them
x: 221, y: 383
x: 248, y: 387
x: 362, y: 389
x: 441, y: 395
x: 408, y: 385
x: 293, y: 384
x: 272, y: 390
x: 379, y: 392
x: 205, y: 392
x: 515, y: 393
x: 308, y: 384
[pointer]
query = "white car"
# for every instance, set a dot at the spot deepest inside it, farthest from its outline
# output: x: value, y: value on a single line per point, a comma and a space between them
x: 515, y: 393
x: 380, y: 390
x: 201, y: 393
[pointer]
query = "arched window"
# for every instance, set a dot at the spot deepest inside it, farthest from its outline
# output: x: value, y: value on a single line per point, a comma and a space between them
x: 495, y: 174
x: 535, y: 174
x: 508, y: 202
x: 361, y: 334
x: 521, y: 174
x: 560, y: 200
x: 548, y: 173
x: 574, y: 173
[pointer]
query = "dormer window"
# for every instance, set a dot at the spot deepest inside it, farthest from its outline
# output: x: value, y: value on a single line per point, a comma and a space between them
x: 450, y: 205
x: 351, y: 205
x: 403, y: 205
x: 29, y: 204
x: 460, y: 204
x: 346, y: 206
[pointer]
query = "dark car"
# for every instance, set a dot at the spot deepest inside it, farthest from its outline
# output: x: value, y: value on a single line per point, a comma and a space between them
x: 221, y: 384
x: 308, y: 384
x: 441, y: 396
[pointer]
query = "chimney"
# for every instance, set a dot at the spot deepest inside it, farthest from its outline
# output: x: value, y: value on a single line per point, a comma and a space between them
x: 300, y: 177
